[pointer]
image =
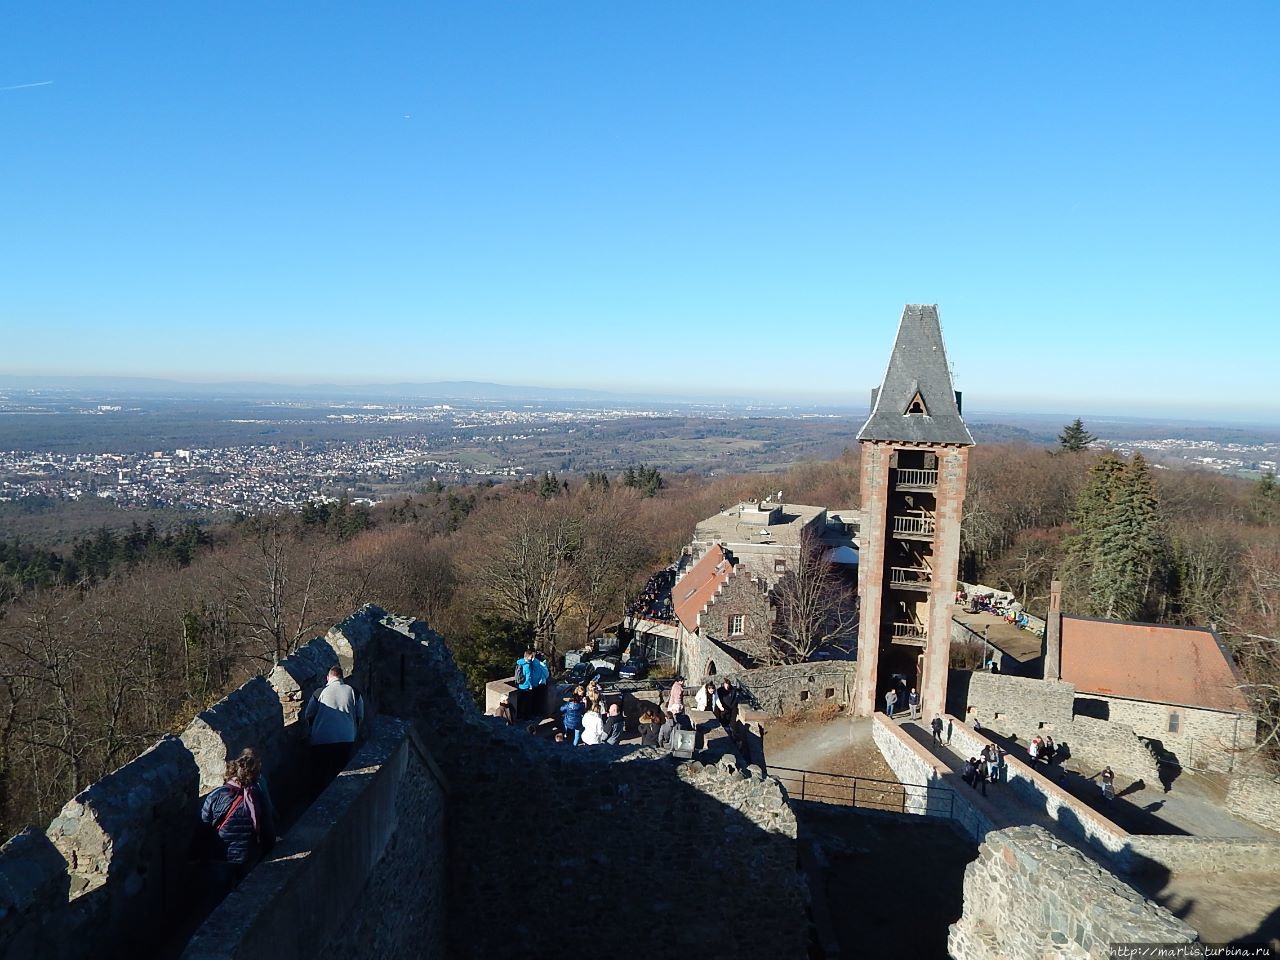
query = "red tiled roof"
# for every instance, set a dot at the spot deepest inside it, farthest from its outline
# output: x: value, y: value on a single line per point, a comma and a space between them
x: 696, y: 588
x: 1186, y: 666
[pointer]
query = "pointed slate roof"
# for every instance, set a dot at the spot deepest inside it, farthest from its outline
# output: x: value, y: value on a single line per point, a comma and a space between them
x: 918, y: 365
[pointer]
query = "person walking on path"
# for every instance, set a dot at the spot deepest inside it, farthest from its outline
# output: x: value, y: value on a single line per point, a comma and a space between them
x: 1108, y: 783
x: 980, y: 774
x: 240, y: 814
x: 334, y: 715
x: 890, y: 701
x: 913, y: 701
x: 936, y: 726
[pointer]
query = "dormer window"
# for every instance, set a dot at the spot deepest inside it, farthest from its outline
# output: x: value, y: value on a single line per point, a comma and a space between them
x: 916, y: 406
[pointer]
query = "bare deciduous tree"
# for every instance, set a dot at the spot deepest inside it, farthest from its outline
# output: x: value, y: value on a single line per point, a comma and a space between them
x: 815, y: 606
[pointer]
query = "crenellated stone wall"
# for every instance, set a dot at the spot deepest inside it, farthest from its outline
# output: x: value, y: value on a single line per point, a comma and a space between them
x: 1029, y: 896
x: 388, y: 863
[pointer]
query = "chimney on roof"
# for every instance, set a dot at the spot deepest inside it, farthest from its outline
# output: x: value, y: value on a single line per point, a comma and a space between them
x: 1053, y: 633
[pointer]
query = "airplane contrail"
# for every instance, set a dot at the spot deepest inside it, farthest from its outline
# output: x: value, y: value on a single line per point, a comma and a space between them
x: 23, y: 86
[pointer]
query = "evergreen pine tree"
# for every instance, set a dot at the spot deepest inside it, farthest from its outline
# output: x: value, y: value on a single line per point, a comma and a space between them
x: 549, y: 485
x: 1120, y: 546
x: 1266, y: 499
x: 1075, y: 437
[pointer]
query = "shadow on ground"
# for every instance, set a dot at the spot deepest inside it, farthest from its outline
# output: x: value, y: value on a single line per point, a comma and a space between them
x: 894, y: 883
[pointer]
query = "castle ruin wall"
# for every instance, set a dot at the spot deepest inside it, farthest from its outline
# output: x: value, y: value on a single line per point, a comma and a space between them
x: 1028, y: 896
x: 1255, y: 798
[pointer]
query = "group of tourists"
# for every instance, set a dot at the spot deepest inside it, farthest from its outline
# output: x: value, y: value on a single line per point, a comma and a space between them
x: 654, y: 600
x: 1042, y: 750
x: 983, y: 769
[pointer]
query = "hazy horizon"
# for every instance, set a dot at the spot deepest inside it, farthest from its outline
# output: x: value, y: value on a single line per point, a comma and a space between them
x: 711, y: 200
x: 845, y: 403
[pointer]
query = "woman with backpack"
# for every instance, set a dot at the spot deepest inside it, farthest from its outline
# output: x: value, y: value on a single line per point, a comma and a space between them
x: 240, y: 813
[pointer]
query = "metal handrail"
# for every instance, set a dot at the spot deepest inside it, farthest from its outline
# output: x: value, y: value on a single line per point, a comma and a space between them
x: 866, y: 792
x: 910, y: 631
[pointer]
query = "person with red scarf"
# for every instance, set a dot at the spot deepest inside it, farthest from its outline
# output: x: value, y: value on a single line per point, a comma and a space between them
x: 240, y: 812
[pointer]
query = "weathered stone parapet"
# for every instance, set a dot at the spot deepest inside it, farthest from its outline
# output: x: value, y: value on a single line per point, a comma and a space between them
x: 249, y: 716
x: 108, y: 830
x: 352, y: 639
x: 1183, y: 854
x: 300, y: 674
x: 1029, y: 896
x: 34, y: 886
x: 1256, y: 799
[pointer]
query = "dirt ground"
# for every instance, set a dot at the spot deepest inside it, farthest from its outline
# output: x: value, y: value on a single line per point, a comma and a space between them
x: 837, y: 744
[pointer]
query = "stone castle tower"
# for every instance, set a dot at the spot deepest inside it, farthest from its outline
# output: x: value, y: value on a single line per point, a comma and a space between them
x: 915, y: 458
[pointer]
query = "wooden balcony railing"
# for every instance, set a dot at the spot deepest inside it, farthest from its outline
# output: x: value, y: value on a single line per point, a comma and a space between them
x: 914, y: 526
x: 920, y: 479
x: 910, y: 576
x: 908, y: 631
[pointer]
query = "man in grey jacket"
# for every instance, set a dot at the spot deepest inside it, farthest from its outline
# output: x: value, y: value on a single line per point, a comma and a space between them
x: 334, y: 714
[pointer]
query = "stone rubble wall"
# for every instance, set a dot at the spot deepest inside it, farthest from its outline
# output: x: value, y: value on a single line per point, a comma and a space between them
x: 797, y: 686
x: 1205, y: 740
x: 371, y: 846
x: 1028, y: 896
x: 1256, y: 799
x: 1103, y: 743
x: 614, y: 835
x: 1183, y: 854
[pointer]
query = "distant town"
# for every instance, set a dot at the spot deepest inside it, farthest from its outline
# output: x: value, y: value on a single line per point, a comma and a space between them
x: 281, y: 453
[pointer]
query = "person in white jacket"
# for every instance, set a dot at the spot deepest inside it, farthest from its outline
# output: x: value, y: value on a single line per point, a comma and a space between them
x: 705, y: 698
x: 592, y: 727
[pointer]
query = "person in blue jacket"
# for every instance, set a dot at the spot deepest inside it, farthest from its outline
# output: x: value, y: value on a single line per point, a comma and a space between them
x: 240, y: 813
x: 572, y: 713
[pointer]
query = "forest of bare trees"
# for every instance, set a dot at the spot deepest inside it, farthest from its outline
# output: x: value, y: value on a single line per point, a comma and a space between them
x: 93, y: 670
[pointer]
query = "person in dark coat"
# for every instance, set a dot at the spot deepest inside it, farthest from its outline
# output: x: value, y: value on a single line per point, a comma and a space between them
x: 240, y: 813
x: 614, y: 724
x: 650, y: 724
x: 726, y: 704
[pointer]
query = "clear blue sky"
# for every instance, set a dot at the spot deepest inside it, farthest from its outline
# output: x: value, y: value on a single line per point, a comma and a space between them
x: 707, y: 197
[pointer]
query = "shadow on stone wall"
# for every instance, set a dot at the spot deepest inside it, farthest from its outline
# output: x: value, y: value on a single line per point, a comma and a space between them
x: 623, y: 842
